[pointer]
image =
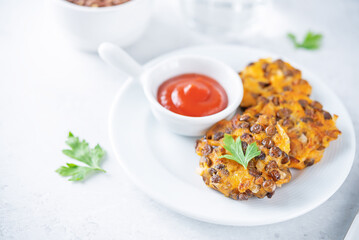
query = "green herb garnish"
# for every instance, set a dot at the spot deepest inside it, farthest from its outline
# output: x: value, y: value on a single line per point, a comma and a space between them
x: 81, y: 152
x: 311, y: 41
x: 235, y: 148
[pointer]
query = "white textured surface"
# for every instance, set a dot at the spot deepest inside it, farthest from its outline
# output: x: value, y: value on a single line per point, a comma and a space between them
x: 47, y: 89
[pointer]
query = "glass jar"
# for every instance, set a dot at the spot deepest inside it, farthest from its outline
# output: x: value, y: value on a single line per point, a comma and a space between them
x: 221, y: 19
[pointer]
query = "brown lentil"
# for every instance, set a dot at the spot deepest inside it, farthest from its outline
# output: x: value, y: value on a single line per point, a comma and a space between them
x: 244, y: 117
x: 207, y: 149
x: 247, y: 137
x: 316, y: 105
x: 261, y: 156
x: 207, y: 160
x: 275, y: 152
x: 256, y: 128
x: 263, y: 84
x: 288, y: 123
x: 254, y: 172
x: 271, y: 165
x: 220, y: 166
x: 244, y: 125
x: 269, y: 185
x: 271, y: 130
x: 212, y: 171
x: 306, y: 119
x: 283, y: 113
x: 275, y: 101
x: 309, y: 162
x: 303, y: 102
x: 285, y: 158
x: 275, y: 175
x: 267, y: 142
x: 244, y: 146
x: 215, y: 179
x: 218, y: 136
x: 242, y: 196
x: 327, y: 115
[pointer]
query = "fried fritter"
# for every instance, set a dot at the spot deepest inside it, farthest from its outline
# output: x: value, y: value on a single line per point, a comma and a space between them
x: 264, y: 173
x: 309, y: 127
x: 266, y: 78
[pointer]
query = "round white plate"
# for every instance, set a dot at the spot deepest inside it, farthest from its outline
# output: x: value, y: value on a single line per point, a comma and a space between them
x: 164, y: 164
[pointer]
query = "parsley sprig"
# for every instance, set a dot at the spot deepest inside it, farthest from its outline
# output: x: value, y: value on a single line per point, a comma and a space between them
x: 81, y: 151
x: 311, y: 41
x: 237, y: 154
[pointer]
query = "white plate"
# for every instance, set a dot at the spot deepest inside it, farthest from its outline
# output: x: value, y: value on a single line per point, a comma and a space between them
x: 164, y: 164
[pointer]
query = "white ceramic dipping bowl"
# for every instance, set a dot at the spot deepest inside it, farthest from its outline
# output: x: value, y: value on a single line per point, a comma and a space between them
x: 87, y: 27
x: 154, y: 76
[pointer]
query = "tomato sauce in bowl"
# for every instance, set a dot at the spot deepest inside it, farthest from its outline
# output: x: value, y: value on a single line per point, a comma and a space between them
x: 193, y: 95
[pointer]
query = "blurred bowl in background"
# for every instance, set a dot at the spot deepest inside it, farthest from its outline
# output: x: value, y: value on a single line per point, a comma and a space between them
x: 87, y: 27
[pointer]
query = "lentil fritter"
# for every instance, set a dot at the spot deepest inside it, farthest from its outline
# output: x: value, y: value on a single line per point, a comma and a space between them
x: 309, y: 127
x: 264, y: 173
x: 266, y: 77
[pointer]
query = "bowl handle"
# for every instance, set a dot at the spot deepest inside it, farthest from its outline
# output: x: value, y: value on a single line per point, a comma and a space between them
x: 118, y: 58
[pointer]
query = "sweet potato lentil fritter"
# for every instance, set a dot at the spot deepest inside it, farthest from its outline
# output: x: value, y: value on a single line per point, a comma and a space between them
x: 264, y: 173
x: 266, y: 77
x: 290, y: 129
x: 309, y: 127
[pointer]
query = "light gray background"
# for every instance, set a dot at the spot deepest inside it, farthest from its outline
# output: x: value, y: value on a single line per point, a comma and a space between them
x: 47, y: 89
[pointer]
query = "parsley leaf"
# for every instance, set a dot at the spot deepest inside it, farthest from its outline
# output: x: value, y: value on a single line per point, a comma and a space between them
x: 235, y: 148
x: 311, y: 41
x: 80, y: 151
x: 77, y: 173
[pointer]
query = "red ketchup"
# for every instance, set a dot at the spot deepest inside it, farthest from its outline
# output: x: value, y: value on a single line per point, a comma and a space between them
x: 192, y: 95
